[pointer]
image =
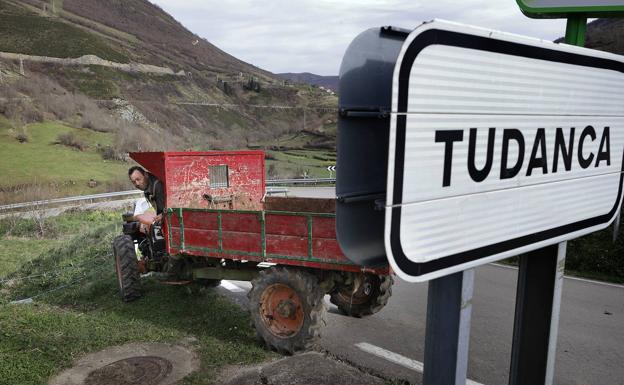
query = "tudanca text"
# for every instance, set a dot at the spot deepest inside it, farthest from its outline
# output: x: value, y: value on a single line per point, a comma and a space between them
x: 570, y: 145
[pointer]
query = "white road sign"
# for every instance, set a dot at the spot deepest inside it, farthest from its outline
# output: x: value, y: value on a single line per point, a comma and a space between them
x: 499, y: 144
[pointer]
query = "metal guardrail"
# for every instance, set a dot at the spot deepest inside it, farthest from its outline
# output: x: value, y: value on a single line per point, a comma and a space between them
x: 275, y: 182
x: 80, y: 198
x: 130, y: 193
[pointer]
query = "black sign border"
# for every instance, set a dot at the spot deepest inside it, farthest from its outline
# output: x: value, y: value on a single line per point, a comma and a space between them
x: 436, y: 36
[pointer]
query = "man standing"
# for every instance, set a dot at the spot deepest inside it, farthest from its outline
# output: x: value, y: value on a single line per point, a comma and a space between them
x: 151, y: 187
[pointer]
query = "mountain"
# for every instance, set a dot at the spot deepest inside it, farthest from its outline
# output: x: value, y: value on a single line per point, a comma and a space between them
x: 174, y: 89
x: 606, y: 35
x: 330, y: 82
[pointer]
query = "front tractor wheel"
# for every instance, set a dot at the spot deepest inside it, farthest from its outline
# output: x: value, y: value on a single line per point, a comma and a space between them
x: 366, y: 294
x: 287, y: 309
x: 127, y: 268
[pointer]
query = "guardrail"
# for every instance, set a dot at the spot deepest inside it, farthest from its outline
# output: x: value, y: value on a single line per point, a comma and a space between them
x: 130, y: 193
x: 275, y: 182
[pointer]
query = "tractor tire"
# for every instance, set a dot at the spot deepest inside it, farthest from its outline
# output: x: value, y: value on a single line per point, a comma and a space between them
x: 127, y: 268
x: 369, y: 298
x: 287, y: 309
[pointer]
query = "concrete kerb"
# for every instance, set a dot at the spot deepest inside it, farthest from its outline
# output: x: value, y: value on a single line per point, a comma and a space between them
x: 302, y: 369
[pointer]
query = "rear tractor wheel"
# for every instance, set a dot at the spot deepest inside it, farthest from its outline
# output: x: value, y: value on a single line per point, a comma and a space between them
x: 364, y: 295
x: 287, y: 309
x: 127, y: 268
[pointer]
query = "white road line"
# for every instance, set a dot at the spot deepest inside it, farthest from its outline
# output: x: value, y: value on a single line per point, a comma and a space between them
x: 231, y: 287
x: 567, y: 277
x: 397, y: 358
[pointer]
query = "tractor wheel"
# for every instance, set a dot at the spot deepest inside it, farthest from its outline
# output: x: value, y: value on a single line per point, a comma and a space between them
x: 127, y: 268
x: 287, y: 309
x: 371, y: 295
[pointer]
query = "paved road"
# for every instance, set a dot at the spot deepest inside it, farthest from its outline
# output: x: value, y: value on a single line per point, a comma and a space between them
x: 591, y: 337
x: 312, y: 192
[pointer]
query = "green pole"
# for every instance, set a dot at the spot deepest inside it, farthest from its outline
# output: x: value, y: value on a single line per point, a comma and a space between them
x: 575, y: 30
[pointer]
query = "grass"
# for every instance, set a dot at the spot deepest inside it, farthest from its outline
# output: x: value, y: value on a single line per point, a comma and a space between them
x: 22, y: 31
x: 39, y: 340
x: 293, y: 163
x: 21, y: 242
x: 41, y: 161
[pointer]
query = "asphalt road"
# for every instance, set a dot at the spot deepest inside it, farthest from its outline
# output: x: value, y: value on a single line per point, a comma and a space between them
x: 590, y: 349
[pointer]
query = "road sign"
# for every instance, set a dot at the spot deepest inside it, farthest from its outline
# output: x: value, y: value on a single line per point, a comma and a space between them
x: 566, y: 8
x: 331, y: 168
x: 499, y: 145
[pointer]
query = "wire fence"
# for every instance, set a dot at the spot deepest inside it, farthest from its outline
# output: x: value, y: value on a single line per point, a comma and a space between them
x: 54, y: 273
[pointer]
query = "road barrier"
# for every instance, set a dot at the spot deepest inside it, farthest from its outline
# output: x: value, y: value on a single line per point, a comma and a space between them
x: 133, y: 193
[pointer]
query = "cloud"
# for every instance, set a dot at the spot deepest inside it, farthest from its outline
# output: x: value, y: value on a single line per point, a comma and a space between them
x: 312, y: 36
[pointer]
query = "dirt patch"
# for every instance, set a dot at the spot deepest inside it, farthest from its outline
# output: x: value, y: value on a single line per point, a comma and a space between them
x: 137, y: 363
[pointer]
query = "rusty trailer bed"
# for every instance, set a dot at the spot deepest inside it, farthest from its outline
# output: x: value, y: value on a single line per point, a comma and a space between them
x: 306, y: 237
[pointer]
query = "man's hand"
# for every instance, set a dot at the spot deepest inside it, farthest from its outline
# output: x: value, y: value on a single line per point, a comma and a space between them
x: 157, y: 220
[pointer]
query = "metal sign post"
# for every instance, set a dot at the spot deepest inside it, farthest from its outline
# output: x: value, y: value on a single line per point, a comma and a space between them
x: 538, y: 300
x: 449, y: 308
x: 538, y: 294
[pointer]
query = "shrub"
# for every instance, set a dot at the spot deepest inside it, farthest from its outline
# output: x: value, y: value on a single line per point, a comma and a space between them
x: 70, y: 140
x: 21, y: 137
x: 111, y: 153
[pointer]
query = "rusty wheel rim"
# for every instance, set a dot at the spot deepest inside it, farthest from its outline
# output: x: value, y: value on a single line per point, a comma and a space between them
x: 281, y: 310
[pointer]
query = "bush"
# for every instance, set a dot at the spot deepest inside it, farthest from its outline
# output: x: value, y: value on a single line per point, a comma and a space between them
x: 70, y: 140
x: 596, y: 255
x: 111, y: 153
x: 21, y: 137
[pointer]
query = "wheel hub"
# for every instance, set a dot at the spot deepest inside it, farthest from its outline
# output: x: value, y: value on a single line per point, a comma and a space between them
x: 281, y: 310
x: 287, y: 309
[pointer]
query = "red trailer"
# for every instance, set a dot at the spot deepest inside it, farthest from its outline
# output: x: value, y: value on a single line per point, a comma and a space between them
x: 219, y: 224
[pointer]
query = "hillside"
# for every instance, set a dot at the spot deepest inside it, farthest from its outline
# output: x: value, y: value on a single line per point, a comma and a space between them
x: 330, y: 82
x: 198, y: 97
x: 606, y: 35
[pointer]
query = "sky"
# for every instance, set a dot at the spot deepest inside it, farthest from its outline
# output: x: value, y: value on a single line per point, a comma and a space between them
x: 312, y: 35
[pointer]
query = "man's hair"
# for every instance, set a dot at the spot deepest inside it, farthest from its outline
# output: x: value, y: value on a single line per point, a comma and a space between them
x: 136, y: 168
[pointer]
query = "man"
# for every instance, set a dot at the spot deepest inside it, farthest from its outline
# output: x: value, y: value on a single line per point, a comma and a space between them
x: 151, y: 187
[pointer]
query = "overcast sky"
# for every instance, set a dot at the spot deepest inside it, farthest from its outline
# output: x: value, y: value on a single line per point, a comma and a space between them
x: 312, y: 35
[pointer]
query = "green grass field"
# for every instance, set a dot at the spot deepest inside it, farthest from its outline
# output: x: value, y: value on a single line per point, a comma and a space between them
x: 40, y: 161
x: 293, y: 163
x: 39, y: 340
x: 23, y: 31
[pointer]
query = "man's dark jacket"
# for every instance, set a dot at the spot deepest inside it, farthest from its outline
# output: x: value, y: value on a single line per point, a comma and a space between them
x: 155, y: 193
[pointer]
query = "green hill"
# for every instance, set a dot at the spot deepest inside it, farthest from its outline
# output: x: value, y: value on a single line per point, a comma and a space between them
x: 208, y: 100
x: 57, y: 168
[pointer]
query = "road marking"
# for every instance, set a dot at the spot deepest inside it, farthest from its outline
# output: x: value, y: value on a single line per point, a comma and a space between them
x: 231, y: 287
x: 567, y: 277
x: 397, y: 358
